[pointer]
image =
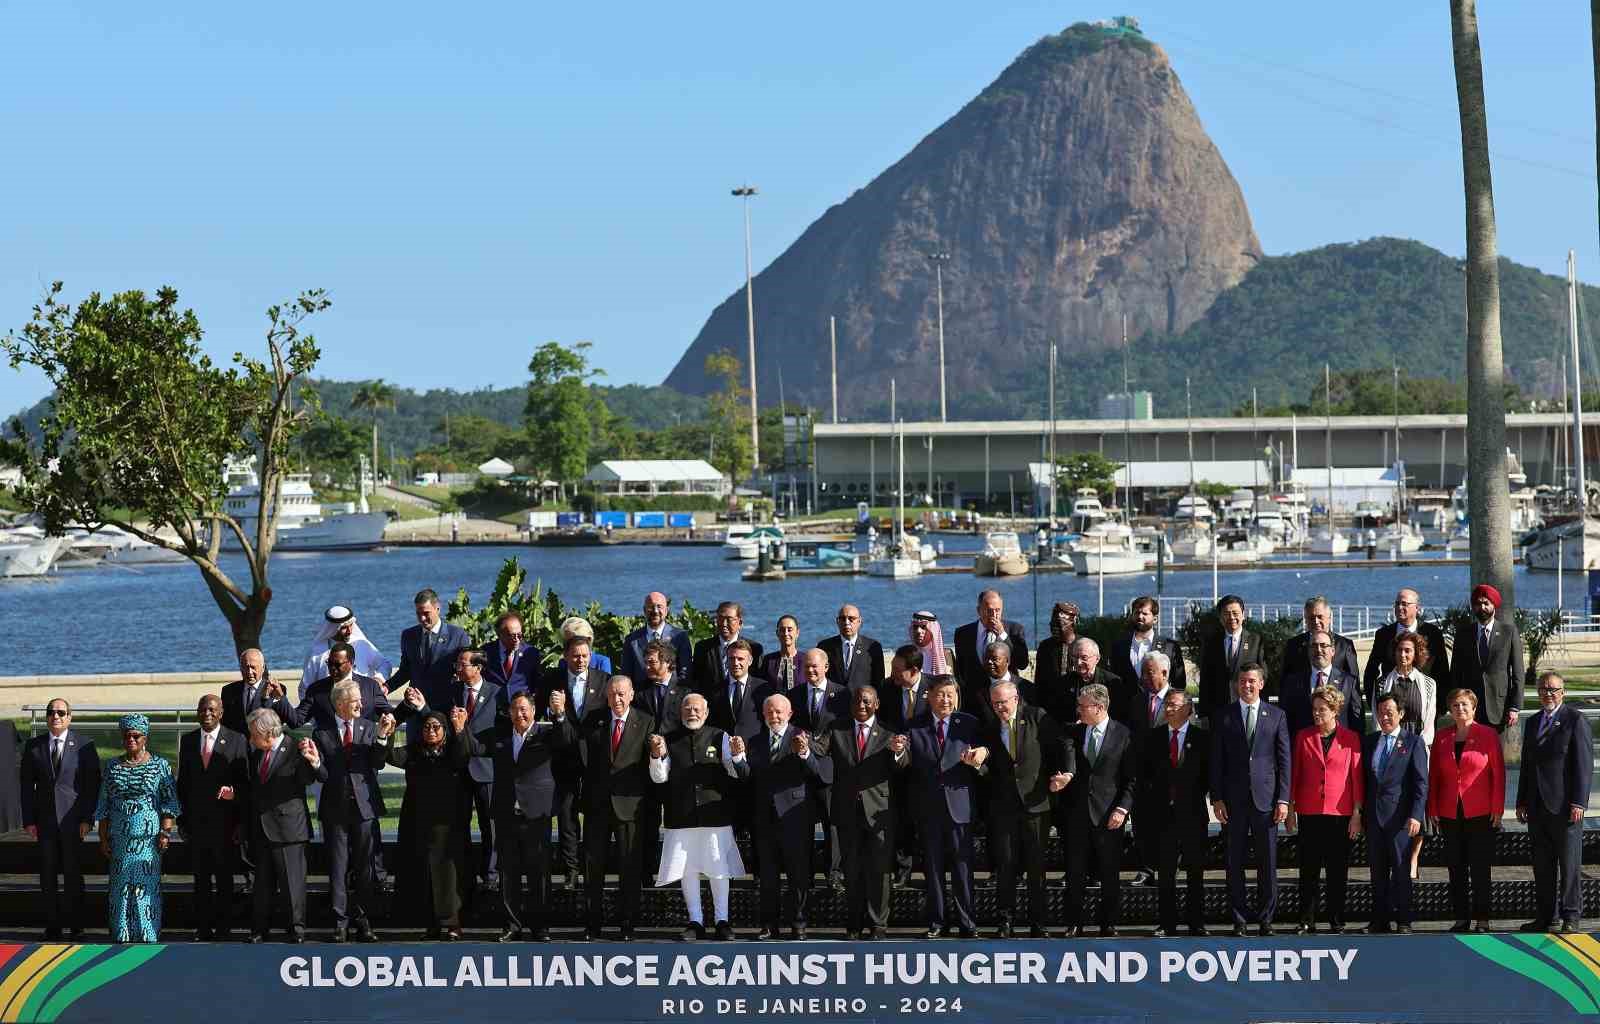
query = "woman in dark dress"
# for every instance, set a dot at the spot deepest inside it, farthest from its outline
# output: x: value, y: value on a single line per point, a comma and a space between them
x: 433, y: 842
x: 1054, y: 658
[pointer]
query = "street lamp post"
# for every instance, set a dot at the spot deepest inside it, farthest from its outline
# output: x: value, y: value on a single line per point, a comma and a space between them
x: 745, y: 192
x: 939, y: 259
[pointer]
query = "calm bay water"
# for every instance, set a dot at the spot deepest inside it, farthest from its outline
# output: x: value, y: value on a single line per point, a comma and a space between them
x: 162, y: 618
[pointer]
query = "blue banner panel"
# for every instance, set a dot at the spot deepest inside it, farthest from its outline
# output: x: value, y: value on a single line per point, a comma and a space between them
x: 1390, y: 978
x: 615, y: 520
x: 680, y: 520
x: 649, y: 520
x: 569, y: 518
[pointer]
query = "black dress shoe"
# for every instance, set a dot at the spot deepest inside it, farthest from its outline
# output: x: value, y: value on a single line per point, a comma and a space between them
x: 850, y: 934
x: 76, y: 935
x: 1199, y: 931
x: 1378, y: 928
x: 364, y: 933
x: 1143, y: 878
x: 437, y: 931
x: 540, y: 934
x: 1571, y: 926
x: 1108, y: 931
x: 1336, y: 928
x: 296, y: 939
x: 1461, y: 927
x: 902, y: 878
x: 203, y: 935
x: 256, y: 937
x: 798, y: 933
x: 768, y: 933
x: 452, y: 935
x: 1536, y: 926
x: 934, y: 931
x: 588, y: 935
x: 724, y: 932
x: 1075, y: 932
x: 1402, y: 929
x: 341, y: 935
x: 876, y: 935
x: 509, y: 935
x: 1264, y: 929
x: 626, y: 934
x: 1038, y: 931
x: 694, y: 932
x: 1306, y: 928
x: 1004, y: 931
x: 1160, y: 933
x: 836, y: 880
x: 1239, y: 931
x: 968, y: 933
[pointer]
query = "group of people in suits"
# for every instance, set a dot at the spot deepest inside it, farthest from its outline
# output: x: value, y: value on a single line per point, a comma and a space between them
x: 662, y: 767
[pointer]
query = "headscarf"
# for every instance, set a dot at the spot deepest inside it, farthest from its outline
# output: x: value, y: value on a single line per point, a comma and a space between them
x: 134, y: 722
x: 932, y: 654
x: 416, y: 733
x: 369, y: 660
x: 1484, y: 590
x: 1069, y: 608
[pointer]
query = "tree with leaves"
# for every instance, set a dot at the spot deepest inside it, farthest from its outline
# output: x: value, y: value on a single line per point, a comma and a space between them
x: 559, y: 415
x: 1077, y: 470
x: 143, y: 424
x: 730, y: 416
x: 374, y: 396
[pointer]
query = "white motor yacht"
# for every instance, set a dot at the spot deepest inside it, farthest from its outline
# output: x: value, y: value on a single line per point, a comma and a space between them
x: 298, y: 519
x: 1108, y: 558
x: 21, y: 555
x: 1192, y: 542
x: 1328, y: 541
x: 1001, y: 555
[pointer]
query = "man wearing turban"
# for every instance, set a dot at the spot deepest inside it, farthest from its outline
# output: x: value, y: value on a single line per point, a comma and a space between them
x: 1488, y: 660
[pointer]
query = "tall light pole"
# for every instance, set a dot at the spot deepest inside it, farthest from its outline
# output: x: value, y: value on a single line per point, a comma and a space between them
x: 939, y: 259
x: 745, y: 192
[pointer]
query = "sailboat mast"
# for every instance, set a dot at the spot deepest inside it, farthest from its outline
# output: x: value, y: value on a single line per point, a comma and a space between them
x: 1327, y: 398
x: 1127, y: 430
x: 1400, y: 484
x: 1577, y: 382
x: 1053, y: 471
x: 1188, y: 404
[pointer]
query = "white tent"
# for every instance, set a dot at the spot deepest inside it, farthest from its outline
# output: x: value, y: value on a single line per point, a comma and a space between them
x: 1350, y: 485
x: 497, y: 467
x: 657, y: 476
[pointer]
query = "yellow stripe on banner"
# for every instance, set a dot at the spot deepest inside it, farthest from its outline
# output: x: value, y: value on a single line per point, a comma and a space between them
x: 20, y: 983
x: 1587, y: 949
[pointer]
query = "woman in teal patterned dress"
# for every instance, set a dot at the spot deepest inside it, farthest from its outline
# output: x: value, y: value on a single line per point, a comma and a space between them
x: 137, y: 810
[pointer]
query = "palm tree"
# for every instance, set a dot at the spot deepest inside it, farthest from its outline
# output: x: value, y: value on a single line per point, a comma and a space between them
x: 1488, y: 490
x: 374, y: 396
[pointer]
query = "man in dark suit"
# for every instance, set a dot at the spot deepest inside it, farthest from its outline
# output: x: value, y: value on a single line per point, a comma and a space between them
x: 1407, y: 617
x: 350, y: 803
x: 1098, y: 802
x: 905, y: 697
x: 866, y: 757
x: 280, y: 825
x: 1297, y: 651
x: 1296, y: 685
x: 508, y: 663
x: 428, y: 653
x: 253, y: 689
x: 1174, y: 777
x: 1026, y: 759
x: 1489, y: 661
x: 786, y: 773
x: 944, y: 777
x: 60, y: 787
x: 661, y: 697
x: 1125, y: 658
x: 711, y: 668
x: 1250, y: 793
x: 1395, y: 769
x: 656, y: 627
x: 736, y: 703
x: 612, y: 744
x: 1552, y: 795
x: 522, y: 753
x: 1088, y: 668
x: 972, y: 644
x: 1221, y: 655
x: 585, y: 689
x: 484, y: 702
x: 316, y: 702
x: 854, y: 659
x: 1141, y: 711
x: 818, y: 702
x: 212, y: 767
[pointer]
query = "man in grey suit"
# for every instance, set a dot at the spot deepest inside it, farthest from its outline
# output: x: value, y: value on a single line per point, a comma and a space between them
x: 656, y: 627
x: 1552, y: 795
x: 1489, y: 661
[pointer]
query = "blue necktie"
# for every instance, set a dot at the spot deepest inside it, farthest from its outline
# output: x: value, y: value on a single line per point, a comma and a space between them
x: 1383, y: 754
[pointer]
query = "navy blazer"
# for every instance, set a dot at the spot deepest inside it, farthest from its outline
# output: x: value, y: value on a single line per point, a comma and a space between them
x: 631, y: 664
x: 942, y: 788
x: 1401, y: 792
x: 1294, y: 698
x: 1250, y: 774
x: 1098, y: 789
x: 278, y: 806
x: 234, y: 711
x: 59, y: 801
x: 526, y: 783
x: 352, y: 778
x: 492, y: 704
x: 745, y: 720
x: 430, y: 669
x: 526, y: 667
x: 866, y: 666
x: 835, y: 707
x: 1556, y: 769
x: 669, y: 713
x: 203, y: 817
x: 782, y: 784
x: 316, y: 704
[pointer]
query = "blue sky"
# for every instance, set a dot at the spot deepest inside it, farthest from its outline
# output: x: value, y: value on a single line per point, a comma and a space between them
x: 469, y: 182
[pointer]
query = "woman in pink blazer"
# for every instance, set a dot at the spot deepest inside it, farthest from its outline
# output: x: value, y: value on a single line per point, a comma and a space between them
x: 1325, y: 791
x: 1466, y: 799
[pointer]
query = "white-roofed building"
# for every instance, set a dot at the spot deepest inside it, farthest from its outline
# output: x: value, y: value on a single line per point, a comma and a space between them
x: 1350, y: 485
x: 657, y: 476
x: 497, y: 468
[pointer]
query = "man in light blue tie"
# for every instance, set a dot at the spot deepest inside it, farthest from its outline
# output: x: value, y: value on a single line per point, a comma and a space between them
x: 1395, y: 764
x: 1250, y: 794
x: 854, y: 659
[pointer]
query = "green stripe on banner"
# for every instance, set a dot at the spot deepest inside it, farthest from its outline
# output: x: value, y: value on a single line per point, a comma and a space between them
x: 57, y: 976
x: 1530, y: 967
x: 105, y: 971
x: 1564, y: 958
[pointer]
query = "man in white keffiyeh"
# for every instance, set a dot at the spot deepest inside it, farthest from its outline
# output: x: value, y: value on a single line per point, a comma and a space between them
x: 339, y: 626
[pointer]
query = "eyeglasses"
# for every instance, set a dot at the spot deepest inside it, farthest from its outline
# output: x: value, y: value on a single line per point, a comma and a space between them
x: 1551, y: 689
x: 57, y: 713
x: 1323, y: 647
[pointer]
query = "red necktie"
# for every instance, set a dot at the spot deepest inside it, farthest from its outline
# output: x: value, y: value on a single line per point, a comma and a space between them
x: 511, y: 659
x: 472, y: 698
x: 616, y: 735
x: 940, y: 731
x: 347, y: 731
x: 861, y: 742
x: 205, y: 750
x: 1154, y: 703
x: 266, y: 761
x: 1172, y: 750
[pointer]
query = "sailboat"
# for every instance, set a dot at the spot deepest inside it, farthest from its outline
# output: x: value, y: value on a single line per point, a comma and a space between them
x: 1573, y: 543
x: 1193, y: 539
x: 898, y: 561
x: 1328, y: 541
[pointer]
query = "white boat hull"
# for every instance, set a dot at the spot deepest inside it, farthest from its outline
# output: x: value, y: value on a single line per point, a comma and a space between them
x: 1574, y: 553
x: 1327, y: 543
x: 1192, y: 546
x: 358, y: 531
x: 19, y: 558
x: 1108, y: 562
x: 901, y: 568
x: 999, y: 565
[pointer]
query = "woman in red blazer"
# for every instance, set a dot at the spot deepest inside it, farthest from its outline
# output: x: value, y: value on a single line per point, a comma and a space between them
x: 1325, y: 791
x: 1466, y: 799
